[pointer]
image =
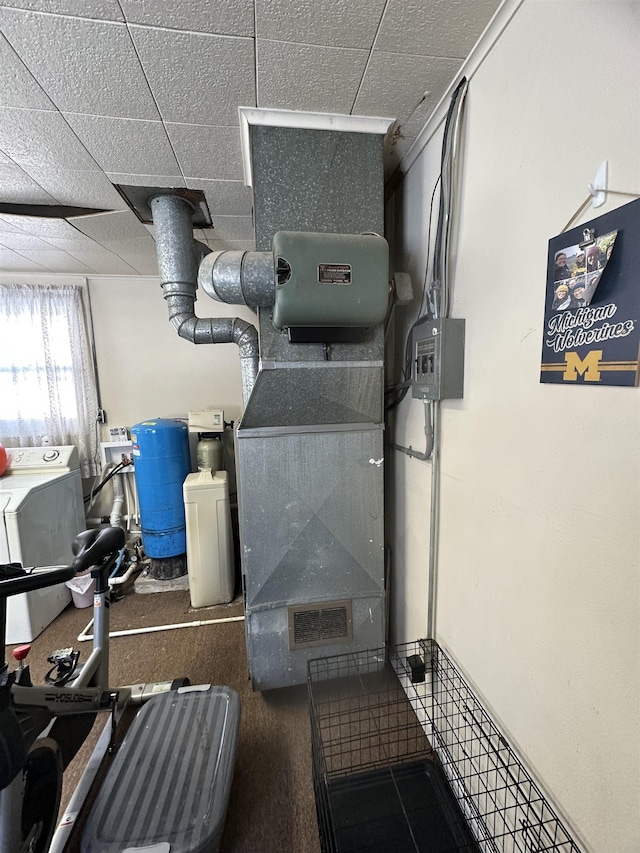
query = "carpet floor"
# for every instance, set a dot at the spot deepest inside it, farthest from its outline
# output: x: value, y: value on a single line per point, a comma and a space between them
x: 271, y: 807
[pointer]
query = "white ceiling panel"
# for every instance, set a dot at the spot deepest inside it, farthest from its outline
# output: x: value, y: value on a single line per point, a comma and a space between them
x: 108, y: 229
x: 308, y: 77
x: 126, y: 145
x: 37, y: 225
x: 223, y: 17
x: 73, y: 246
x: 107, y: 10
x: 231, y: 228
x: 324, y: 22
x: 233, y: 245
x: 146, y: 265
x: 146, y: 93
x: 225, y: 197
x: 86, y: 66
x: 56, y: 260
x: 57, y: 144
x: 207, y: 152
x: 17, y: 186
x: 18, y: 86
x: 25, y: 243
x: 138, y: 253
x: 10, y: 260
x: 8, y: 225
x: 197, y: 78
x: 437, y: 28
x: 103, y: 261
x: 79, y: 188
x: 379, y: 94
x: 146, y: 180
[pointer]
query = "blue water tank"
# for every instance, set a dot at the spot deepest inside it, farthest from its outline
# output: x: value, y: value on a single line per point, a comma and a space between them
x: 161, y: 462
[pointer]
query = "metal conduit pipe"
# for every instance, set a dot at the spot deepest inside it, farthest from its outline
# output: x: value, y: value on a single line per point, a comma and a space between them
x: 179, y: 256
x: 239, y: 278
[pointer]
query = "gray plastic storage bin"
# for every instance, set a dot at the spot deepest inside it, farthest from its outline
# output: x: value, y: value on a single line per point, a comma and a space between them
x: 170, y: 780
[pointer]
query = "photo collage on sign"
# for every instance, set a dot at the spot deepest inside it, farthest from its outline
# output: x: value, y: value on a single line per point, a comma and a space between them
x: 577, y: 271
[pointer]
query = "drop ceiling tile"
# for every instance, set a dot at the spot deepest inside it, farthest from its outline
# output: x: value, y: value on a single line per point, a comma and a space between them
x: 138, y: 253
x: 18, y: 86
x: 232, y: 228
x: 438, y: 28
x: 128, y: 180
x: 308, y: 78
x: 79, y: 188
x: 106, y: 10
x: 143, y: 264
x: 213, y: 153
x: 40, y: 226
x: 57, y: 261
x: 43, y: 138
x: 233, y: 245
x: 24, y: 243
x: 17, y: 187
x: 197, y: 78
x: 127, y: 248
x: 380, y: 94
x: 13, y: 262
x: 103, y: 261
x: 225, y: 197
x: 86, y: 66
x: 110, y: 228
x: 72, y: 245
x: 8, y: 226
x: 125, y: 145
x: 223, y: 17
x: 327, y: 22
x: 146, y: 266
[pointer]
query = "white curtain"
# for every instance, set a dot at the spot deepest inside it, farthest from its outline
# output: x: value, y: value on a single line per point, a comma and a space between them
x: 47, y: 383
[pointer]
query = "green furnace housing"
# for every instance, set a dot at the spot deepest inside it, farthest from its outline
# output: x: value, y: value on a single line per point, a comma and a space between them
x: 330, y: 280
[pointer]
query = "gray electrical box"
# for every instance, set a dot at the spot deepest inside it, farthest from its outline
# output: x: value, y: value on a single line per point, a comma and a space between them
x: 438, y: 359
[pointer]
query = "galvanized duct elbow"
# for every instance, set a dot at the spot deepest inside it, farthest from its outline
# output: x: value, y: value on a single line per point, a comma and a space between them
x: 239, y: 278
x: 178, y: 257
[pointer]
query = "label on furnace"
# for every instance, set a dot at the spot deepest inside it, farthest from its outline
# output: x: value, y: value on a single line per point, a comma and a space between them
x: 334, y: 273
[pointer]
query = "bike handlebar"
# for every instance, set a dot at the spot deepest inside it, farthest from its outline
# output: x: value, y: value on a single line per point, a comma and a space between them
x: 89, y: 547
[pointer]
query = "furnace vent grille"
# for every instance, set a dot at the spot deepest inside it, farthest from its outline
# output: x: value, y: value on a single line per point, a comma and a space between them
x: 329, y: 622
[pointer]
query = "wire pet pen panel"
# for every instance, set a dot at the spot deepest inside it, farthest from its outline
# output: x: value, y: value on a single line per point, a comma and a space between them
x: 405, y: 758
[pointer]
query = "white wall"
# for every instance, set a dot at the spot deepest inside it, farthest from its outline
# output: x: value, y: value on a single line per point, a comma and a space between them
x: 146, y: 370
x: 539, y: 570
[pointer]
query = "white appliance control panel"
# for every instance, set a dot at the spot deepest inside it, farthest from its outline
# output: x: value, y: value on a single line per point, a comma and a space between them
x: 25, y: 460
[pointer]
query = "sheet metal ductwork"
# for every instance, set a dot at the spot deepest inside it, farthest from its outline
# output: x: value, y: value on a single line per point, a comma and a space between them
x: 179, y: 257
x: 309, y: 448
x: 239, y: 278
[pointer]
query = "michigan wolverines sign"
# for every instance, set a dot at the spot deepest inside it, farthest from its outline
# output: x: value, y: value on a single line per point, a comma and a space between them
x: 591, y: 322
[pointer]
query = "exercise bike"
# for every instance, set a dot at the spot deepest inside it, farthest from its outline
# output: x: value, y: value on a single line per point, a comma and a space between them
x: 42, y: 728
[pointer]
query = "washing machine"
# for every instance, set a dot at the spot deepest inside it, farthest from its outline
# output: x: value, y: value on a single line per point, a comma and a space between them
x: 42, y: 511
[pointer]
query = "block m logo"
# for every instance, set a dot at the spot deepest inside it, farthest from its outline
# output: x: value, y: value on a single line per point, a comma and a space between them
x: 589, y: 366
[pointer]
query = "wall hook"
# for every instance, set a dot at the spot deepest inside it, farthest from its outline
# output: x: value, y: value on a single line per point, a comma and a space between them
x: 598, y: 189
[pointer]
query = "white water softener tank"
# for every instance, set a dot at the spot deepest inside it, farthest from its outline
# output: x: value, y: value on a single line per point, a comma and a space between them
x: 209, y: 540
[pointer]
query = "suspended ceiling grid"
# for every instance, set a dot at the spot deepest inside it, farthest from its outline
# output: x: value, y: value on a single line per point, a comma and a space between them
x: 146, y: 92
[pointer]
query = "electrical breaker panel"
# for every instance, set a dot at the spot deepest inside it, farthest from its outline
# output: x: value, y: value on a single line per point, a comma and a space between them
x: 438, y: 359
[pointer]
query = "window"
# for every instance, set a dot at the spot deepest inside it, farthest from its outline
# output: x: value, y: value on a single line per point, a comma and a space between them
x: 47, y: 383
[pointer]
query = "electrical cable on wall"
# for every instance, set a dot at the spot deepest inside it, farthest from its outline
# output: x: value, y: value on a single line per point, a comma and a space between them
x: 401, y: 389
x: 425, y: 375
x: 436, y: 295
